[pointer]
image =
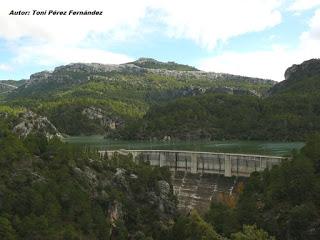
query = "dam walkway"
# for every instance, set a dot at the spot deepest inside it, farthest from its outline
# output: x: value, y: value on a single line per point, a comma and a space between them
x: 226, y: 164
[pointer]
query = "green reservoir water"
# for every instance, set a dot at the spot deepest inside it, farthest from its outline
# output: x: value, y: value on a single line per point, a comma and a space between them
x: 250, y: 147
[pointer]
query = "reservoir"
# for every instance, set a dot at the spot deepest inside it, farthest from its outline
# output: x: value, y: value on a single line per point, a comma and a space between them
x: 230, y: 146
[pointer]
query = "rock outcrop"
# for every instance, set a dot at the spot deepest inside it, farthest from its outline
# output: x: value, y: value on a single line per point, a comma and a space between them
x: 108, y: 122
x: 81, y: 72
x: 154, y: 64
x: 300, y: 78
x: 4, y: 87
x: 30, y: 122
x: 306, y: 69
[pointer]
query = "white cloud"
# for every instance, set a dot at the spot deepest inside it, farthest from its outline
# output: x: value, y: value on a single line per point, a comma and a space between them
x: 118, y: 14
x: 5, y: 67
x: 50, y: 40
x: 48, y: 55
x: 270, y: 63
x: 204, y: 21
x: 314, y: 28
x: 301, y: 5
x: 252, y: 64
x: 209, y: 21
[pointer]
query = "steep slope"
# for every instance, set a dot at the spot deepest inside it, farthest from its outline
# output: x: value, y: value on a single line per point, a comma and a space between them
x: 104, y: 97
x: 7, y: 86
x: 4, y: 87
x: 50, y: 190
x: 14, y: 82
x: 300, y: 79
x: 23, y: 123
x: 290, y: 112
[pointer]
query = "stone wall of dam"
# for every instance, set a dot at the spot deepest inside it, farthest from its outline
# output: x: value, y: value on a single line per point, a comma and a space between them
x: 227, y: 164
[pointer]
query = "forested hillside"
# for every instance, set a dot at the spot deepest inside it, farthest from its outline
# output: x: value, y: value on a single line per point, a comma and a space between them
x: 284, y: 201
x: 219, y: 117
x: 291, y: 111
x: 105, y: 97
x: 144, y: 100
x: 51, y: 190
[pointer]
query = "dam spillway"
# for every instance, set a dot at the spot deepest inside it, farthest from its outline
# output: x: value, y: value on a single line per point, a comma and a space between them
x: 201, y: 177
x: 226, y: 164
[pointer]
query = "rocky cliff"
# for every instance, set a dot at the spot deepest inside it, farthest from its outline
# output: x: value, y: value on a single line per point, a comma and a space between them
x: 308, y: 68
x: 27, y: 122
x: 300, y: 78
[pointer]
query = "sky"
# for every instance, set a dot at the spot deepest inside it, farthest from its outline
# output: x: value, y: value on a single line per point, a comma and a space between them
x: 256, y: 38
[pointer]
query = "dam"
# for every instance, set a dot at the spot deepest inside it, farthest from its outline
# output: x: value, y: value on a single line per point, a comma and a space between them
x: 201, y: 177
x: 226, y: 164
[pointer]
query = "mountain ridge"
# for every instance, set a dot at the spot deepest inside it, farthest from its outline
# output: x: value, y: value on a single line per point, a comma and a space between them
x: 290, y: 111
x: 121, y: 92
x: 139, y: 65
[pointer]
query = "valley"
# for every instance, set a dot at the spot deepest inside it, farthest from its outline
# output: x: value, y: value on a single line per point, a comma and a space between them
x: 55, y: 185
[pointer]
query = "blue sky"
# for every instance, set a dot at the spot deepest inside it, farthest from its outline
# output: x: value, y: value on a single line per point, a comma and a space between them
x: 257, y: 38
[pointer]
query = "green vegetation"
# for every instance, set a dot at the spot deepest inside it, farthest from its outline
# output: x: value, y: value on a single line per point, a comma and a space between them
x: 7, y: 86
x: 216, y: 117
x: 52, y: 190
x: 55, y: 190
x: 123, y: 95
x: 13, y: 82
x: 290, y: 112
x: 284, y: 201
x: 4, y: 109
x: 154, y: 64
x: 146, y: 103
x: 300, y: 79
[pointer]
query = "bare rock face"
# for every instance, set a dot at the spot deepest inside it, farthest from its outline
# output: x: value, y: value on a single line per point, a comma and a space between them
x: 35, y: 78
x: 30, y: 122
x: 120, y: 180
x: 40, y: 75
x: 306, y: 69
x: 6, y: 87
x: 81, y: 72
x: 96, y: 68
x: 94, y: 113
x: 304, y: 77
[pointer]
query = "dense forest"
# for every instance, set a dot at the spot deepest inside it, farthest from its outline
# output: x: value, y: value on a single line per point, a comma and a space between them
x: 52, y: 190
x: 290, y: 111
x: 217, y: 117
x: 284, y: 201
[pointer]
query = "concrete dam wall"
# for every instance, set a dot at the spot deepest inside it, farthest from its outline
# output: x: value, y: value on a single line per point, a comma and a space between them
x: 227, y: 164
